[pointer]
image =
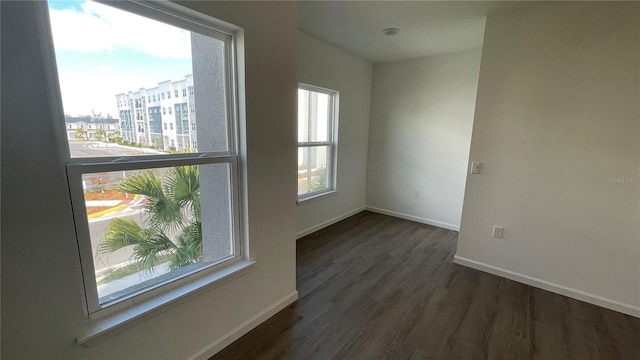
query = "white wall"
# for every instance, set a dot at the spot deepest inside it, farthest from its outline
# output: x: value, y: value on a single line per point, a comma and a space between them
x: 421, y: 121
x: 557, y: 116
x: 42, y: 309
x: 322, y: 64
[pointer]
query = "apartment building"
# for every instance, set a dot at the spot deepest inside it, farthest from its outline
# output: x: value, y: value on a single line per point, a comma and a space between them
x: 162, y: 117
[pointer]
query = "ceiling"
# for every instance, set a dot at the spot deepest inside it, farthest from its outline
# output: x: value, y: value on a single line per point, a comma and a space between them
x: 427, y: 28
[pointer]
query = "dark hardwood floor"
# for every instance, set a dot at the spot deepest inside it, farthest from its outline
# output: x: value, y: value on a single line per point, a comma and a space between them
x: 378, y: 287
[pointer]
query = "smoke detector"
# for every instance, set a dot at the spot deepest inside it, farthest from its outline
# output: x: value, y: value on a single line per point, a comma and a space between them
x: 390, y: 31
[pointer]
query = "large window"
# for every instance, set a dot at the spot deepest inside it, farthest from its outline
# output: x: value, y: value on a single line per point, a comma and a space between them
x: 151, y: 212
x: 317, y: 118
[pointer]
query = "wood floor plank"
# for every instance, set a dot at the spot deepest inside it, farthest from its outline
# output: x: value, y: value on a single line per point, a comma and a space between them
x: 626, y: 337
x: 510, y: 333
x: 474, y: 334
x: 378, y: 287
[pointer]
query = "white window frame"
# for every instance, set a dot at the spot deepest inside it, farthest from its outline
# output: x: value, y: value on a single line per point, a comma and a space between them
x: 120, y: 312
x: 331, y: 144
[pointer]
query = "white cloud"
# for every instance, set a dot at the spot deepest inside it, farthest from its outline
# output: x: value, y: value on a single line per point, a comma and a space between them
x: 81, y: 96
x: 100, y: 27
x: 104, y: 68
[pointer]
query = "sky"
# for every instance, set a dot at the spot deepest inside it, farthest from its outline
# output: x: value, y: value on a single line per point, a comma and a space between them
x: 103, y: 51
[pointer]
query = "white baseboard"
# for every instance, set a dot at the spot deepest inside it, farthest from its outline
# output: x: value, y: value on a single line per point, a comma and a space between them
x: 233, y: 335
x: 549, y: 286
x: 328, y: 222
x: 414, y: 218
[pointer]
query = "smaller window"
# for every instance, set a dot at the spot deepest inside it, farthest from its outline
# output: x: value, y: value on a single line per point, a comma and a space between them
x: 169, y: 94
x: 164, y: 111
x: 169, y: 111
x: 162, y: 96
x: 317, y: 142
x: 195, y: 145
x: 170, y: 126
x: 184, y: 92
x: 165, y: 126
x: 192, y: 108
x: 193, y: 126
x: 176, y: 93
x: 191, y: 90
x: 154, y: 98
x: 149, y: 98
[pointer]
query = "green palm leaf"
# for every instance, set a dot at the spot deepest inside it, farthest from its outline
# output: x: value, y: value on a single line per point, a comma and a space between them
x: 146, y: 183
x: 183, y: 185
x: 189, y: 247
x: 121, y: 233
x: 165, y: 214
x: 148, y: 253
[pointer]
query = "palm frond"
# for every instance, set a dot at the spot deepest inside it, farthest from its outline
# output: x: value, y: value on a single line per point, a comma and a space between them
x: 183, y: 183
x: 188, y: 248
x: 121, y: 233
x: 148, y: 253
x: 146, y: 183
x: 164, y: 214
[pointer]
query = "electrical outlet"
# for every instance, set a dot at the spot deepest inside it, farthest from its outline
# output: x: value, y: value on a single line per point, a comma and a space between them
x: 417, y: 194
x: 497, y: 231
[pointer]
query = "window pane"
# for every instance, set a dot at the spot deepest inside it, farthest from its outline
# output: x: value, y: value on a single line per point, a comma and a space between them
x: 313, y: 116
x: 145, y: 225
x: 114, y: 83
x: 312, y: 169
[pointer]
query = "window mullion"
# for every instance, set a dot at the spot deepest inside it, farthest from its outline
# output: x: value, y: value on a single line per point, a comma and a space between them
x: 136, y: 164
x: 316, y: 143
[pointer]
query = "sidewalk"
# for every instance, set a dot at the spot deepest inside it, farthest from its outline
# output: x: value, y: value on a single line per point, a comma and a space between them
x: 89, y: 203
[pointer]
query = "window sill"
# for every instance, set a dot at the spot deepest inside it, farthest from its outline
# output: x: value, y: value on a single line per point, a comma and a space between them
x: 105, y: 327
x: 312, y: 198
